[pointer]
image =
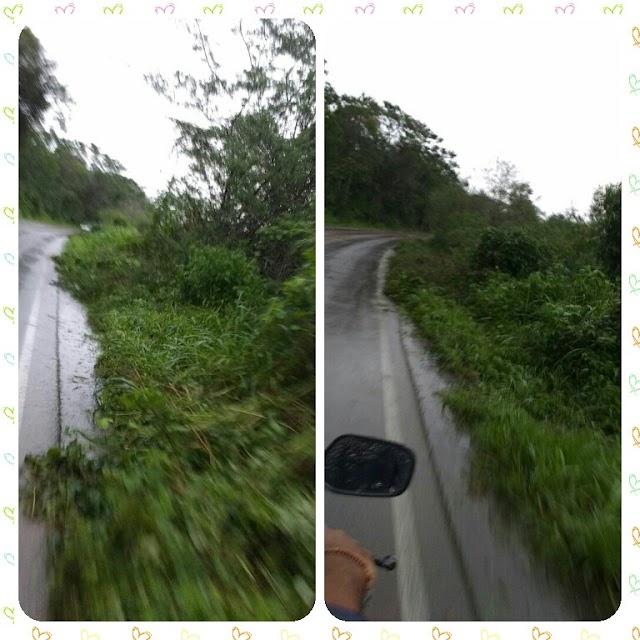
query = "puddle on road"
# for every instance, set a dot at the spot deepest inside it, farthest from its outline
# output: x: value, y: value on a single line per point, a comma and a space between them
x: 78, y: 353
x: 66, y: 345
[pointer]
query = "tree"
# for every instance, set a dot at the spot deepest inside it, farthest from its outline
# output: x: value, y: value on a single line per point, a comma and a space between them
x: 39, y: 89
x: 518, y: 208
x: 254, y: 163
x: 606, y: 216
x: 59, y: 178
x: 381, y: 163
x: 500, y: 179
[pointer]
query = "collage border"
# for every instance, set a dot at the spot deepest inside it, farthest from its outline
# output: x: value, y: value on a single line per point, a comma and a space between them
x: 318, y: 624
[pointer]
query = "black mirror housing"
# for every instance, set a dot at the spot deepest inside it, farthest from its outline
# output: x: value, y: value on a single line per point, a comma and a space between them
x: 370, y: 467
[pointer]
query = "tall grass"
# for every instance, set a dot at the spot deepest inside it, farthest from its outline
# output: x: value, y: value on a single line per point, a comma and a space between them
x: 201, y: 503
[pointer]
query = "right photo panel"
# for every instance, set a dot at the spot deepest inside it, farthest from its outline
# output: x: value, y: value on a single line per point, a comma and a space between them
x: 472, y: 325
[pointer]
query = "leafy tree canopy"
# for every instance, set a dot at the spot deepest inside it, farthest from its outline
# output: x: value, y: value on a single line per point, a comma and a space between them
x: 39, y: 88
x: 254, y: 163
x: 381, y: 164
x: 62, y: 179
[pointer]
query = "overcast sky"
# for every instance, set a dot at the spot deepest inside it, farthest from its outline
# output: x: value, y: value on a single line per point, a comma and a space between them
x: 545, y: 99
x: 103, y: 68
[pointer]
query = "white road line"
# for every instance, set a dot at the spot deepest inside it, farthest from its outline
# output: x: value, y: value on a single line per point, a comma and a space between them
x: 412, y: 593
x: 26, y: 352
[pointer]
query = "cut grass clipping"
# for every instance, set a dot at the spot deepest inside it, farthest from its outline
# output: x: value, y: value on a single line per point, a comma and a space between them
x: 201, y: 502
x: 539, y: 390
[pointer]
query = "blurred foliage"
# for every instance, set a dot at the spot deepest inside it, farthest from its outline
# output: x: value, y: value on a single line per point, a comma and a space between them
x: 280, y: 247
x: 57, y: 183
x: 253, y: 166
x: 60, y: 179
x: 197, y: 501
x: 208, y: 438
x: 39, y: 89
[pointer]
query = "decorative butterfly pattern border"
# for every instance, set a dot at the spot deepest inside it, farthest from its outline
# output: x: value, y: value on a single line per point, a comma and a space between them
x: 561, y: 9
x: 625, y: 625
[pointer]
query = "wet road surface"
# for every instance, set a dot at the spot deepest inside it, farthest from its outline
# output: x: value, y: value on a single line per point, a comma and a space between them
x: 56, y: 383
x: 457, y: 556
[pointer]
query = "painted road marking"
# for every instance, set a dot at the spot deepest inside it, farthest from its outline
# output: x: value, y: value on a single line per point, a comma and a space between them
x: 414, y: 604
x: 26, y: 352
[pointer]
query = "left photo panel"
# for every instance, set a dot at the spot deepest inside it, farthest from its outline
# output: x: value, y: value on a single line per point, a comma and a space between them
x: 167, y: 321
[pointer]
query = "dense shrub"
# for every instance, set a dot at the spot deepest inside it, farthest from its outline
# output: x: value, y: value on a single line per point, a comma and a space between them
x: 289, y: 326
x: 113, y: 217
x: 566, y: 323
x: 582, y: 298
x: 215, y: 276
x: 606, y: 214
x: 567, y: 239
x: 279, y: 247
x: 514, y: 252
x: 88, y: 257
x: 444, y: 269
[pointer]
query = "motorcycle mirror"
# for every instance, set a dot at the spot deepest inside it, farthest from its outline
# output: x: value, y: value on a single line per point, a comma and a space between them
x: 363, y: 466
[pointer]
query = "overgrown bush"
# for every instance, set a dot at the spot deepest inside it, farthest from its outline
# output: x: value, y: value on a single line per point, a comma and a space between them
x: 113, y: 217
x: 89, y: 257
x: 289, y: 326
x: 567, y: 240
x: 565, y: 323
x: 207, y: 421
x: 429, y: 262
x: 215, y: 276
x: 280, y: 247
x: 514, y: 252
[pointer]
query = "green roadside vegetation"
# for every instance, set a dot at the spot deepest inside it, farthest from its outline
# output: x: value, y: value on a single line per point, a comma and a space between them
x: 538, y: 365
x: 373, y: 176
x: 201, y: 503
x: 67, y: 183
x: 197, y: 499
x: 524, y: 309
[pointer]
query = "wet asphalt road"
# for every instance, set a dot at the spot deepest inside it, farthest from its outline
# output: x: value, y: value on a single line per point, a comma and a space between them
x: 458, y: 555
x: 56, y: 362
x: 38, y: 298
x: 39, y: 399
x: 356, y: 401
x: 353, y: 399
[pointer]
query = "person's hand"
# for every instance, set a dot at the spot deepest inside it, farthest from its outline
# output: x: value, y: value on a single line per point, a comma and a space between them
x: 349, y: 570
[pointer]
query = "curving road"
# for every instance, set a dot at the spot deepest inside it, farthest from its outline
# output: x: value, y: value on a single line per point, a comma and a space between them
x: 457, y: 556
